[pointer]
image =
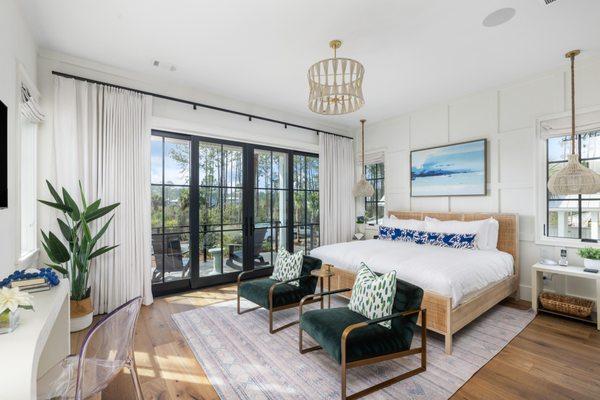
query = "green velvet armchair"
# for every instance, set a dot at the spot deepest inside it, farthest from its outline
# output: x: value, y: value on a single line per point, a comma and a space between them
x: 275, y: 295
x: 354, y: 340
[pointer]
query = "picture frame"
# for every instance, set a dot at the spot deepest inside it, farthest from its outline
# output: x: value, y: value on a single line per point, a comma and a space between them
x: 456, y: 169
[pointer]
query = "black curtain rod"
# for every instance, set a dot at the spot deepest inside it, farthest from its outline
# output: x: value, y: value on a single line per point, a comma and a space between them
x: 195, y: 105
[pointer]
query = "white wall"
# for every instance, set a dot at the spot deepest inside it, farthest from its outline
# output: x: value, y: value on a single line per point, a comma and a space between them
x: 506, y: 117
x: 16, y: 46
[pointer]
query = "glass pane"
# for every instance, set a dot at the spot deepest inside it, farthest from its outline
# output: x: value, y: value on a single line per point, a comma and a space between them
x: 176, y: 263
x: 379, y: 187
x: 279, y: 238
x: 262, y: 207
x: 590, y: 211
x: 233, y: 166
x: 262, y: 169
x: 177, y: 213
x: 211, y: 253
x: 209, y: 164
x: 299, y: 210
x: 312, y: 207
x: 299, y: 172
x: 177, y: 161
x: 380, y: 212
x: 559, y: 148
x: 157, y: 210
x: 563, y: 218
x: 312, y: 237
x: 157, y: 258
x: 262, y: 246
x: 232, y: 207
x: 590, y: 145
x: 156, y: 167
x: 312, y: 173
x: 233, y: 251
x: 209, y: 206
x: 299, y: 238
x: 381, y: 170
x: 370, y: 212
x: 280, y: 199
x: 280, y: 170
x: 370, y: 171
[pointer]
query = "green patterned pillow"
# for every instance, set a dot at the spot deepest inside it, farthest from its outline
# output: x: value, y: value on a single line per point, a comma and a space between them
x: 372, y: 295
x: 288, y: 266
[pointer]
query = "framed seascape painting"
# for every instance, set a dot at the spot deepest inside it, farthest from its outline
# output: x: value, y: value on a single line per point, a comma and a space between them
x: 452, y: 170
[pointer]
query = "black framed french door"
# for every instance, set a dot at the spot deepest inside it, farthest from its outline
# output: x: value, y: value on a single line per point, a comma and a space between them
x: 221, y: 207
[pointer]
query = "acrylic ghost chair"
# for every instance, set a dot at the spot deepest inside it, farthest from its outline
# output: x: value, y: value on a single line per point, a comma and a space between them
x: 106, y: 350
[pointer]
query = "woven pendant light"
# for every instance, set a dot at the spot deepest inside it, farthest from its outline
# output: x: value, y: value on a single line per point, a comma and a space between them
x: 363, y: 188
x: 335, y: 84
x: 574, y: 178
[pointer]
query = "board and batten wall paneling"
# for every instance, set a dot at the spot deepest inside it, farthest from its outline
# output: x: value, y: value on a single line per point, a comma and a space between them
x: 506, y: 117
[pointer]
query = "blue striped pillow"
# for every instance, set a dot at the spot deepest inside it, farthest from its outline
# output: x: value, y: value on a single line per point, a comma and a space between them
x: 451, y: 240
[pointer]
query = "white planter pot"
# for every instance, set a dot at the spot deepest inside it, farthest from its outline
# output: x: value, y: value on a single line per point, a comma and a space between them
x: 80, y: 323
x: 82, y: 313
x: 591, y: 263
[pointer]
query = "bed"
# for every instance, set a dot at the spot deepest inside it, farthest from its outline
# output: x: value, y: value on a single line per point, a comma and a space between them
x: 459, y: 285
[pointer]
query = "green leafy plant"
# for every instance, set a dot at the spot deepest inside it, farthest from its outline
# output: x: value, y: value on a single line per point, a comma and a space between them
x: 360, y: 219
x: 73, y: 256
x: 590, y: 253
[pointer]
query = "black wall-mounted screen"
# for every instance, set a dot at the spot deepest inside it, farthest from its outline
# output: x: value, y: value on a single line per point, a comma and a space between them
x: 3, y: 155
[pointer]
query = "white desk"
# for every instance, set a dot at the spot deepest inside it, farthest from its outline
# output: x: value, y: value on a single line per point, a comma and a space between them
x: 41, y: 340
x: 537, y: 282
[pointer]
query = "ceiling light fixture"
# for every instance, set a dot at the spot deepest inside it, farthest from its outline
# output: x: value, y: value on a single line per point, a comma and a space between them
x: 574, y: 178
x: 499, y: 17
x: 335, y: 84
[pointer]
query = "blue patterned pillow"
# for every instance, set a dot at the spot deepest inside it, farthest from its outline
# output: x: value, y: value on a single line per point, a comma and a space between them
x: 452, y: 240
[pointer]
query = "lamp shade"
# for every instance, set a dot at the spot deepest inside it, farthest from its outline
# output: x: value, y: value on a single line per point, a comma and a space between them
x: 363, y: 188
x: 574, y: 178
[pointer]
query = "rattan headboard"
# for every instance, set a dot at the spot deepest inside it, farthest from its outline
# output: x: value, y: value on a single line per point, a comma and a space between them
x: 508, y: 233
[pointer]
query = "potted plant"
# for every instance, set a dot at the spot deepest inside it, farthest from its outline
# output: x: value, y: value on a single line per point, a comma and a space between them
x: 10, y: 302
x: 72, y: 256
x: 360, y: 224
x: 591, y: 257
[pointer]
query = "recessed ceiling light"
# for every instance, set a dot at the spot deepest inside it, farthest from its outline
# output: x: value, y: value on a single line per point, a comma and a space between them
x: 164, y: 65
x: 499, y: 17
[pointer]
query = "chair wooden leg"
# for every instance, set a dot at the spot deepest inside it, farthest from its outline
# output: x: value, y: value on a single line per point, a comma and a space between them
x: 300, y: 344
x: 344, y: 376
x: 136, y: 380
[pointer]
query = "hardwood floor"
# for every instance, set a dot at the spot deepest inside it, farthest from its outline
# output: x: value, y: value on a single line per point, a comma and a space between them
x: 551, y: 359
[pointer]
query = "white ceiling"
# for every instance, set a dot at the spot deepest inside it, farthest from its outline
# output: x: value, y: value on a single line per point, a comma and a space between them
x: 415, y: 52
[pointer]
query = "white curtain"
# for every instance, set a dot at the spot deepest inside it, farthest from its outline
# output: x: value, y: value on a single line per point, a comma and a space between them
x: 102, y: 138
x: 336, y: 178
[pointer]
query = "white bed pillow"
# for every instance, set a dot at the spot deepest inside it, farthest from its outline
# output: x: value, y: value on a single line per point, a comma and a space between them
x: 486, y: 230
x: 395, y: 222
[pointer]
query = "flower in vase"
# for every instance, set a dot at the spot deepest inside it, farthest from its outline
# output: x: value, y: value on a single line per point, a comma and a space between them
x: 11, y: 299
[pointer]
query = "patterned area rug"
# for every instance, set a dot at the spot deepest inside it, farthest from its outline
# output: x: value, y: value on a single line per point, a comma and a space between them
x: 243, y: 361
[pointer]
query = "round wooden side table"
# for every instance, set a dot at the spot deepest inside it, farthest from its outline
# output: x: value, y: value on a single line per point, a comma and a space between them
x: 322, y: 274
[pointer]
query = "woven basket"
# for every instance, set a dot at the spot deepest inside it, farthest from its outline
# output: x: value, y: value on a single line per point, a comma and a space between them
x: 570, y: 305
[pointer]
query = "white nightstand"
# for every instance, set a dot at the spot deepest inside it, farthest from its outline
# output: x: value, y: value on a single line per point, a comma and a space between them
x: 537, y: 283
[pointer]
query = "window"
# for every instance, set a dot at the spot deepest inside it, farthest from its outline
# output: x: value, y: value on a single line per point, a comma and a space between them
x: 170, y: 174
x: 306, y: 202
x: 220, y: 207
x: 29, y: 117
x: 374, y: 205
x: 573, y: 216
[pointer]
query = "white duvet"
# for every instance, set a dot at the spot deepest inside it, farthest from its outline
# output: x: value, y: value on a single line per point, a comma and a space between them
x: 450, y: 272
